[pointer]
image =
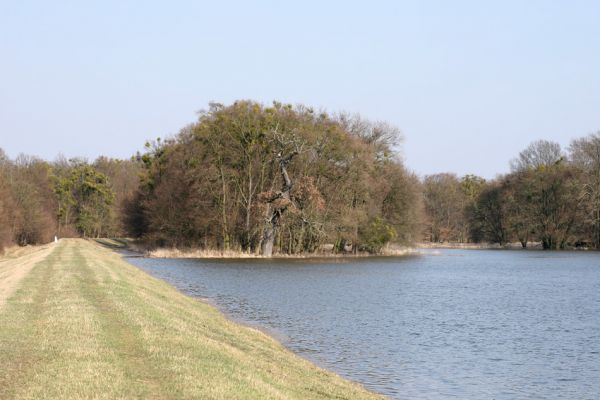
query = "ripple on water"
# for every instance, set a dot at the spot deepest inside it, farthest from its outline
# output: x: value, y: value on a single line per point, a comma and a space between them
x: 460, y: 324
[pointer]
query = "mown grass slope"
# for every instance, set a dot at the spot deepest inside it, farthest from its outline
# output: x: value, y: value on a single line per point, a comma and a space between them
x: 85, y: 324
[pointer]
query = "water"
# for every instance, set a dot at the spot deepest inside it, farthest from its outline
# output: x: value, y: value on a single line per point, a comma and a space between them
x: 462, y: 324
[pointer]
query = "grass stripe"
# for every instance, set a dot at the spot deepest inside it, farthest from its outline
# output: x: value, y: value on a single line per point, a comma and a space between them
x: 84, y: 324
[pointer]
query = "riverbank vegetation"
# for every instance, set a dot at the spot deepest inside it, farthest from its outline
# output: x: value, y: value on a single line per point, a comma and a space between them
x: 550, y: 197
x: 83, y: 323
x: 255, y: 179
x: 64, y: 198
x: 251, y: 178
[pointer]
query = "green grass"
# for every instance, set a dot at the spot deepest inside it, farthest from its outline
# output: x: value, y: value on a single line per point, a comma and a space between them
x: 84, y: 324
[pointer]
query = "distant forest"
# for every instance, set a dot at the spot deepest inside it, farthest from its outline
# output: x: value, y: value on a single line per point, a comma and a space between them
x: 291, y: 179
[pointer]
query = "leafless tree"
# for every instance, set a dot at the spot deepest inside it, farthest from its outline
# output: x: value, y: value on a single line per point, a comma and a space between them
x: 538, y: 154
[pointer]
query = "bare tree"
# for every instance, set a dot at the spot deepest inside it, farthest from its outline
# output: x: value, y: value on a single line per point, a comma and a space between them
x: 382, y: 136
x: 538, y: 154
x: 585, y: 154
x: 444, y: 202
x: 288, y: 148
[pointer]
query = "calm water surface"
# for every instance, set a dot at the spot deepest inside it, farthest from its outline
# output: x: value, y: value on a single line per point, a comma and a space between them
x: 462, y: 324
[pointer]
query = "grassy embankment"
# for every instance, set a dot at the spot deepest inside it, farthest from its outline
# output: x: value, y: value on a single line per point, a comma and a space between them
x: 76, y: 321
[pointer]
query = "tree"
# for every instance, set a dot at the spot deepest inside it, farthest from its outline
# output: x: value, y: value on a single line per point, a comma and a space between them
x: 519, y: 214
x: 401, y: 205
x: 555, y: 207
x: 85, y: 198
x: 7, y: 206
x: 541, y: 153
x: 278, y: 202
x: 544, y: 196
x: 381, y: 136
x: 585, y: 155
x: 471, y: 187
x: 377, y: 234
x: 123, y: 176
x: 32, y: 220
x: 66, y: 201
x: 272, y: 179
x: 491, y: 213
x: 444, y: 204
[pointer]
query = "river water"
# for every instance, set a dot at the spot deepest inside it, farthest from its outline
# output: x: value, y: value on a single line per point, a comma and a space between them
x: 467, y: 324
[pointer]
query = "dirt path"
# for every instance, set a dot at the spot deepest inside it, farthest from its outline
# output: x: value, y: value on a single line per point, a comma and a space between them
x: 12, y: 270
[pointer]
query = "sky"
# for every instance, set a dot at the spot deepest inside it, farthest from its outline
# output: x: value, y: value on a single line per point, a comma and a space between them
x: 469, y: 83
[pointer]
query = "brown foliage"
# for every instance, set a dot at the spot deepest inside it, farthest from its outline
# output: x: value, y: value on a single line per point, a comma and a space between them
x: 27, y: 204
x: 7, y: 208
x: 220, y: 180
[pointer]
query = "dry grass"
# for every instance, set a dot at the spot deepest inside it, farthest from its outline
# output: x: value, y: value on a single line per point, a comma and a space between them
x: 84, y: 324
x: 20, y: 251
x: 199, y: 253
x: 16, y: 264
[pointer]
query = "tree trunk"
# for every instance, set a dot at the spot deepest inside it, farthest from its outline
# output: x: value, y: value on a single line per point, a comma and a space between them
x: 224, y: 228
x: 249, y: 212
x: 277, y: 211
x: 268, y: 240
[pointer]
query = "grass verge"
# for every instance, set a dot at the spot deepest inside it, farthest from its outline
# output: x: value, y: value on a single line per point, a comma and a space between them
x: 85, y: 324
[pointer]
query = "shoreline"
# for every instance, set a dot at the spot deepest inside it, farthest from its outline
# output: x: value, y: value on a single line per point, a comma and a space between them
x: 119, y: 332
x: 392, y: 250
x: 531, y: 246
x: 211, y: 254
x: 173, y: 252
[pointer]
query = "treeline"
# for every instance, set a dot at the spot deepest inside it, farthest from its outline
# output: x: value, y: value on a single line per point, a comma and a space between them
x: 289, y: 179
x: 65, y: 198
x: 252, y: 178
x: 550, y: 197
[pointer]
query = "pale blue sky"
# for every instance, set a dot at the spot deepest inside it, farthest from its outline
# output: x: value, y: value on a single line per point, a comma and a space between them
x: 469, y: 83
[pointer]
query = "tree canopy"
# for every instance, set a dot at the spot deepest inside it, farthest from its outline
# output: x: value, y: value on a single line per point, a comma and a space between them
x: 291, y: 179
x: 246, y: 176
x: 550, y: 197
